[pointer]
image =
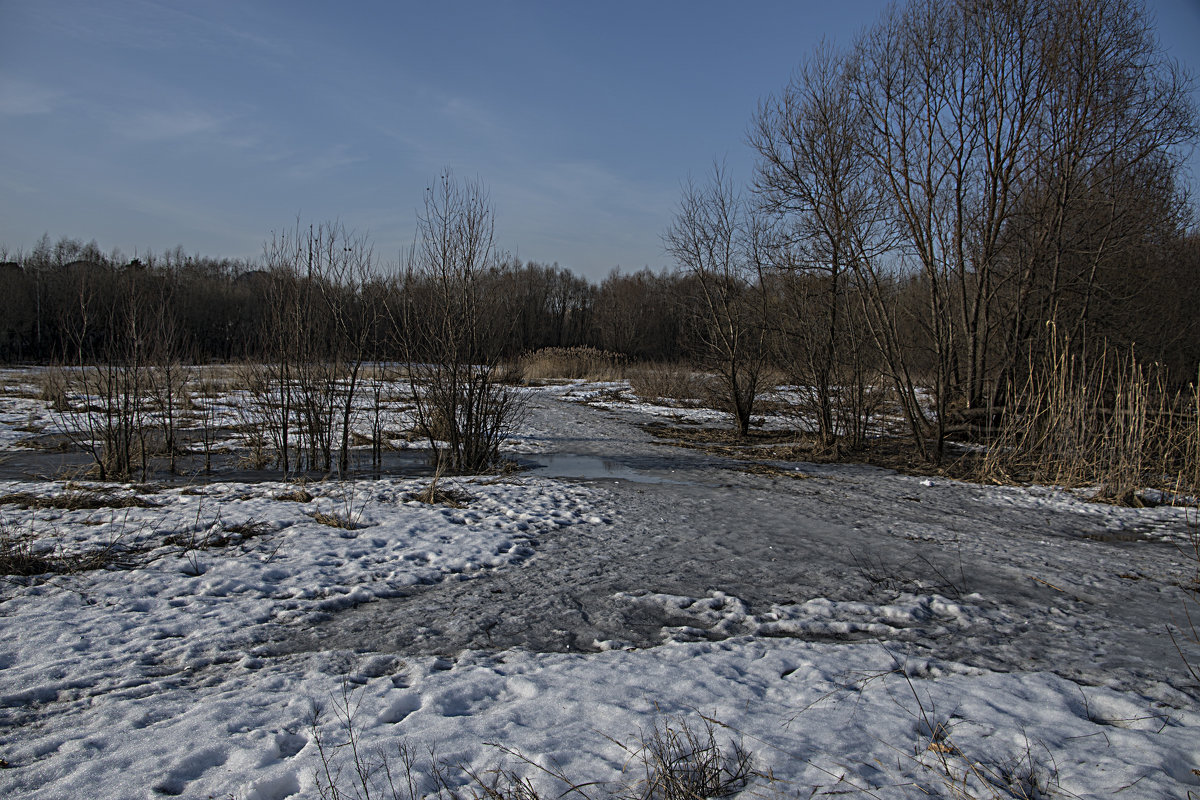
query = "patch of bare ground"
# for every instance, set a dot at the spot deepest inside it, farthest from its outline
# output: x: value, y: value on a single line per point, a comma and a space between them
x: 889, y: 452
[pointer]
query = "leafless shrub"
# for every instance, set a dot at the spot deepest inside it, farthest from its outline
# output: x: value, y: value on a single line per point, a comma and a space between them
x: 169, y: 396
x: 721, y: 240
x: 435, y: 425
x: 451, y: 331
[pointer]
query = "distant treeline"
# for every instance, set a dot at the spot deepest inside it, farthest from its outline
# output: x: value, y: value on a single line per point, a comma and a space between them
x: 67, y: 301
x: 70, y: 302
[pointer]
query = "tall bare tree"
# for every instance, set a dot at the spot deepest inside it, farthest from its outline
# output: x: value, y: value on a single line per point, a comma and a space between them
x: 813, y: 178
x: 718, y: 239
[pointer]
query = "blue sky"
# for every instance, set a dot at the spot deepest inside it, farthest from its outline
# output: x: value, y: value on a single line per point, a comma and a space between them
x: 149, y: 124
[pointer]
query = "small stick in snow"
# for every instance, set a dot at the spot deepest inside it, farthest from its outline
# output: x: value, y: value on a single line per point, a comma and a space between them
x: 1051, y: 585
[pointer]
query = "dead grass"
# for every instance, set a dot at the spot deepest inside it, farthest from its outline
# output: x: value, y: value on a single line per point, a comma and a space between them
x: 1029, y: 774
x: 669, y: 382
x: 770, y: 471
x: 571, y: 363
x: 21, y: 556
x: 335, y: 520
x: 231, y: 535
x: 299, y: 495
x: 214, y: 380
x: 888, y: 452
x: 47, y: 443
x: 74, y: 501
x: 436, y: 496
x: 53, y: 385
x: 1112, y: 424
x: 683, y: 760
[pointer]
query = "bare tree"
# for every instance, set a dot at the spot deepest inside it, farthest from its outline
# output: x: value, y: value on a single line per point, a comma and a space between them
x: 108, y: 420
x: 317, y: 335
x: 1017, y: 152
x: 1108, y: 143
x: 718, y: 239
x: 814, y: 179
x: 450, y: 338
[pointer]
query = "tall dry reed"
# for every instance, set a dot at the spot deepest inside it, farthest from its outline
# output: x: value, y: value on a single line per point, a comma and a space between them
x: 1109, y: 422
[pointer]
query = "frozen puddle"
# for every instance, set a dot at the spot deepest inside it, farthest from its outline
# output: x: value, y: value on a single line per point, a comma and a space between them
x: 584, y: 467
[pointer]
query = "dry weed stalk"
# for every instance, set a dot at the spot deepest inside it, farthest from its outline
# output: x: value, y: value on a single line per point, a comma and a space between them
x: 348, y: 517
x: 1116, y: 425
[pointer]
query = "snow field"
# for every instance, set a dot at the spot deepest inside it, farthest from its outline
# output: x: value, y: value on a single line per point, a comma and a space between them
x: 817, y: 717
x: 182, y: 605
x: 162, y: 675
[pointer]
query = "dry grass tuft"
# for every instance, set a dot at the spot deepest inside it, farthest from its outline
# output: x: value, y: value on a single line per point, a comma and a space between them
x: 675, y: 760
x: 679, y: 760
x: 436, y: 496
x: 336, y: 520
x: 52, y: 388
x: 295, y: 496
x: 21, y: 557
x: 669, y: 382
x: 235, y: 534
x: 771, y: 471
x: 572, y: 363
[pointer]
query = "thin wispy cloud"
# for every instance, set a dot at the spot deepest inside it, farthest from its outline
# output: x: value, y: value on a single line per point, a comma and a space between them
x: 152, y: 26
x: 163, y: 125
x: 19, y: 98
x: 323, y: 164
x: 466, y: 112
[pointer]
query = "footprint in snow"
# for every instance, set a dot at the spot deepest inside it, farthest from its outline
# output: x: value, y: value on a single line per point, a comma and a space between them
x: 188, y: 769
x: 400, y: 709
x: 289, y: 744
x: 276, y: 788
